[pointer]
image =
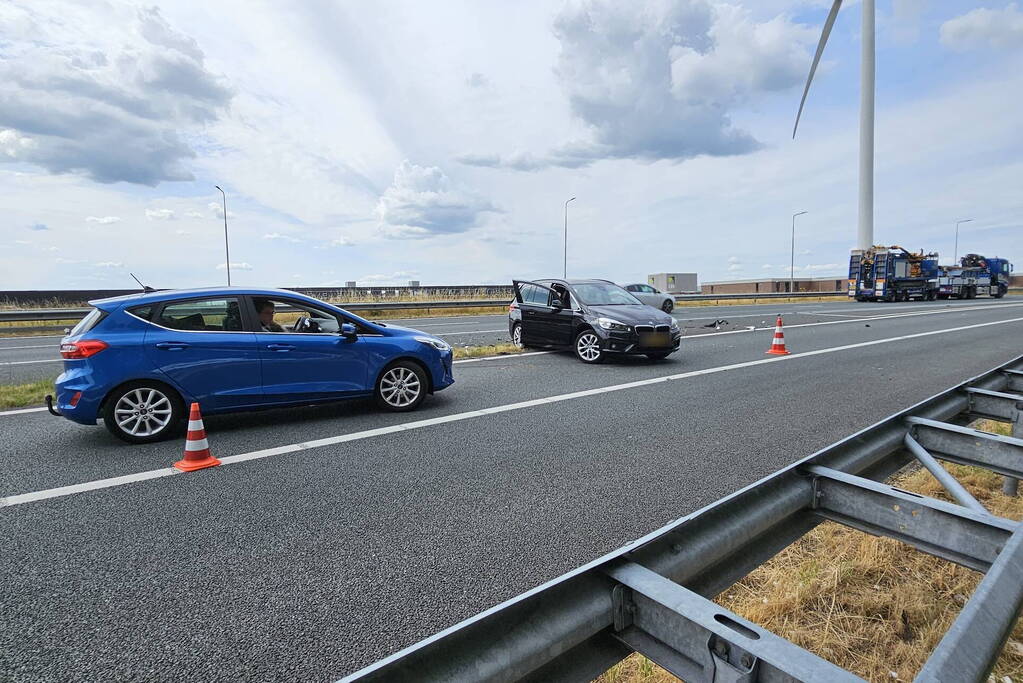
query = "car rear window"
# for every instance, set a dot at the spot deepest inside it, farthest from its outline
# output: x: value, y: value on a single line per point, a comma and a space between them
x: 144, y: 312
x: 90, y: 321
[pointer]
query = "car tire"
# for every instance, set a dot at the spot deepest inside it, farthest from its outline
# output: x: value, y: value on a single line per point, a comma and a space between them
x: 152, y: 409
x: 668, y: 306
x: 516, y: 336
x: 587, y: 347
x: 658, y: 356
x: 401, y: 387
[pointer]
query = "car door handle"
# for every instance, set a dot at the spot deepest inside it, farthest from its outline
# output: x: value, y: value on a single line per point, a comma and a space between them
x: 280, y: 347
x: 171, y: 346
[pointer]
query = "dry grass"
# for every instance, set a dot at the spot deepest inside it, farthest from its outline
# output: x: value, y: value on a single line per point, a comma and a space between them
x: 430, y: 312
x: 24, y: 395
x: 871, y: 605
x: 461, y: 352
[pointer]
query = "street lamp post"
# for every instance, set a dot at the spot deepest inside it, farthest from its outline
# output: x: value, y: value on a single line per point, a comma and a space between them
x: 565, y: 272
x: 227, y: 248
x: 792, y: 260
x: 956, y: 253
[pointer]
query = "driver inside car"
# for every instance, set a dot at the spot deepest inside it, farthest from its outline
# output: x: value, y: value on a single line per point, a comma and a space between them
x: 265, y: 309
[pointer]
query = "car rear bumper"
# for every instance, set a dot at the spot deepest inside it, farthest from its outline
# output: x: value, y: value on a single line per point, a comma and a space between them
x: 78, y: 381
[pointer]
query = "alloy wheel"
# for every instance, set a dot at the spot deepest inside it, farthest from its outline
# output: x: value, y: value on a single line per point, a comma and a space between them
x: 143, y: 412
x: 400, y: 387
x: 588, y: 347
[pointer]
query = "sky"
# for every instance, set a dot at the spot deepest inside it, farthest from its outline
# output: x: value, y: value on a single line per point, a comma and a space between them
x: 439, y: 141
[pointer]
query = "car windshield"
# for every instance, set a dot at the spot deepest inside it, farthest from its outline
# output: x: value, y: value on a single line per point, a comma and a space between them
x: 604, y: 294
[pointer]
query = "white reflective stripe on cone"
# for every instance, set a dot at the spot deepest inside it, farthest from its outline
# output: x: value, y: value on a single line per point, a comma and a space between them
x: 198, y: 445
x: 194, y: 425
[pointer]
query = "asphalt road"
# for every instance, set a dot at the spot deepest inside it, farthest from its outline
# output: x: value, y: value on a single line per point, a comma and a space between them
x: 26, y: 359
x: 311, y: 564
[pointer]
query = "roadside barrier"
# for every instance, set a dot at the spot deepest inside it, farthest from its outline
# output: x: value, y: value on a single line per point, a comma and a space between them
x: 654, y: 595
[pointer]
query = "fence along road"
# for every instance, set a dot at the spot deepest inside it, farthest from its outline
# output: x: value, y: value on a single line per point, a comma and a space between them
x: 654, y: 596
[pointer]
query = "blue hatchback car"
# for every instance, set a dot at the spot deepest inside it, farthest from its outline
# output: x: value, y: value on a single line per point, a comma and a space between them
x: 137, y: 361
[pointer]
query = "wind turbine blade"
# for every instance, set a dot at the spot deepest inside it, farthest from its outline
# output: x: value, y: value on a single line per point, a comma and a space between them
x: 832, y: 15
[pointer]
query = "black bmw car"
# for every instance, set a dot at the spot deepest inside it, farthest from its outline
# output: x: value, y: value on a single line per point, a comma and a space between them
x: 594, y: 318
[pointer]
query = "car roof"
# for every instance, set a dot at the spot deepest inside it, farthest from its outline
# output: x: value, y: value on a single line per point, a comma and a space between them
x: 585, y: 281
x: 169, y: 294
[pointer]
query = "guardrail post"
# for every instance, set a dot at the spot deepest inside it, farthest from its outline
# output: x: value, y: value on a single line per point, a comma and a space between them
x: 1010, y: 485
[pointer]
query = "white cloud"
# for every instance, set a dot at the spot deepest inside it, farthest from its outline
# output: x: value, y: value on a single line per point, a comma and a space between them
x: 159, y: 214
x: 97, y: 100
x: 657, y: 79
x: 67, y: 261
x: 103, y: 220
x: 182, y: 232
x: 734, y: 259
x: 342, y: 242
x: 235, y: 266
x: 193, y: 214
x: 109, y: 264
x: 982, y: 27
x: 282, y: 238
x: 735, y: 267
x: 14, y: 145
x: 22, y: 242
x: 423, y: 202
x: 218, y: 210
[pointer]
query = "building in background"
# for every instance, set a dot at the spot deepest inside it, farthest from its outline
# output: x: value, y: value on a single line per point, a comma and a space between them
x: 776, y: 285
x: 674, y: 283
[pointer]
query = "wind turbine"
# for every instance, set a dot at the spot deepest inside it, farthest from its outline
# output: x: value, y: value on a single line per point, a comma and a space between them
x: 865, y: 224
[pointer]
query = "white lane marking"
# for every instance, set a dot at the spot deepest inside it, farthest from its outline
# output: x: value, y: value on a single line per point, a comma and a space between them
x: 22, y: 411
x: 452, y: 334
x: 52, y: 360
x: 507, y: 355
x: 458, y: 417
x: 466, y: 322
x: 841, y: 322
x: 29, y: 362
x: 33, y: 336
x: 887, y: 307
x: 41, y: 346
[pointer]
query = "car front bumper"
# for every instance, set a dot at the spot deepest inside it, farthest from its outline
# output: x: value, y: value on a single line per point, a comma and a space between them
x: 630, y: 343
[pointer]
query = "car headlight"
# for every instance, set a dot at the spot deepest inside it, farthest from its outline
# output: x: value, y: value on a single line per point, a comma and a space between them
x: 438, y: 344
x: 674, y: 324
x: 611, y: 324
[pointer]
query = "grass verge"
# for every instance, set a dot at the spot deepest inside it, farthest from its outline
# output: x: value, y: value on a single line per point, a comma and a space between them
x: 871, y: 605
x: 25, y: 395
x: 461, y: 352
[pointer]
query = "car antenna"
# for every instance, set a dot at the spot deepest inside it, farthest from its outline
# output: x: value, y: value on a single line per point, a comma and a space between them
x: 145, y: 288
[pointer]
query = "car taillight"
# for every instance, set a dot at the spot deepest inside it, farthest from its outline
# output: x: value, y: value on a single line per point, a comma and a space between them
x: 82, y: 349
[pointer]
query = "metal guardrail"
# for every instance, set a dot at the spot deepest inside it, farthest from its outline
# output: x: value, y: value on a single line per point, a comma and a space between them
x: 653, y: 595
x: 78, y: 313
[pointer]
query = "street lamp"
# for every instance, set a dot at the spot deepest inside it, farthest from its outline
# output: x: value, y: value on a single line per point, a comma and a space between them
x: 792, y: 260
x: 565, y: 273
x: 956, y: 255
x: 227, y: 249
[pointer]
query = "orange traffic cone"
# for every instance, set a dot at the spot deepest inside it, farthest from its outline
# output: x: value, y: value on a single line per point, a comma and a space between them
x: 197, y: 449
x: 778, y: 345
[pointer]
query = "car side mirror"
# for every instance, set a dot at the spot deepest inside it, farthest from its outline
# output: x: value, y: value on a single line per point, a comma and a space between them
x: 558, y: 303
x: 348, y: 331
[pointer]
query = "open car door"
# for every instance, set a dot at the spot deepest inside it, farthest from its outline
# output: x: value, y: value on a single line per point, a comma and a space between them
x: 545, y: 320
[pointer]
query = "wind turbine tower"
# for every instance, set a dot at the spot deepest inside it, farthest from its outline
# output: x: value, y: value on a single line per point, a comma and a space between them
x: 865, y: 223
